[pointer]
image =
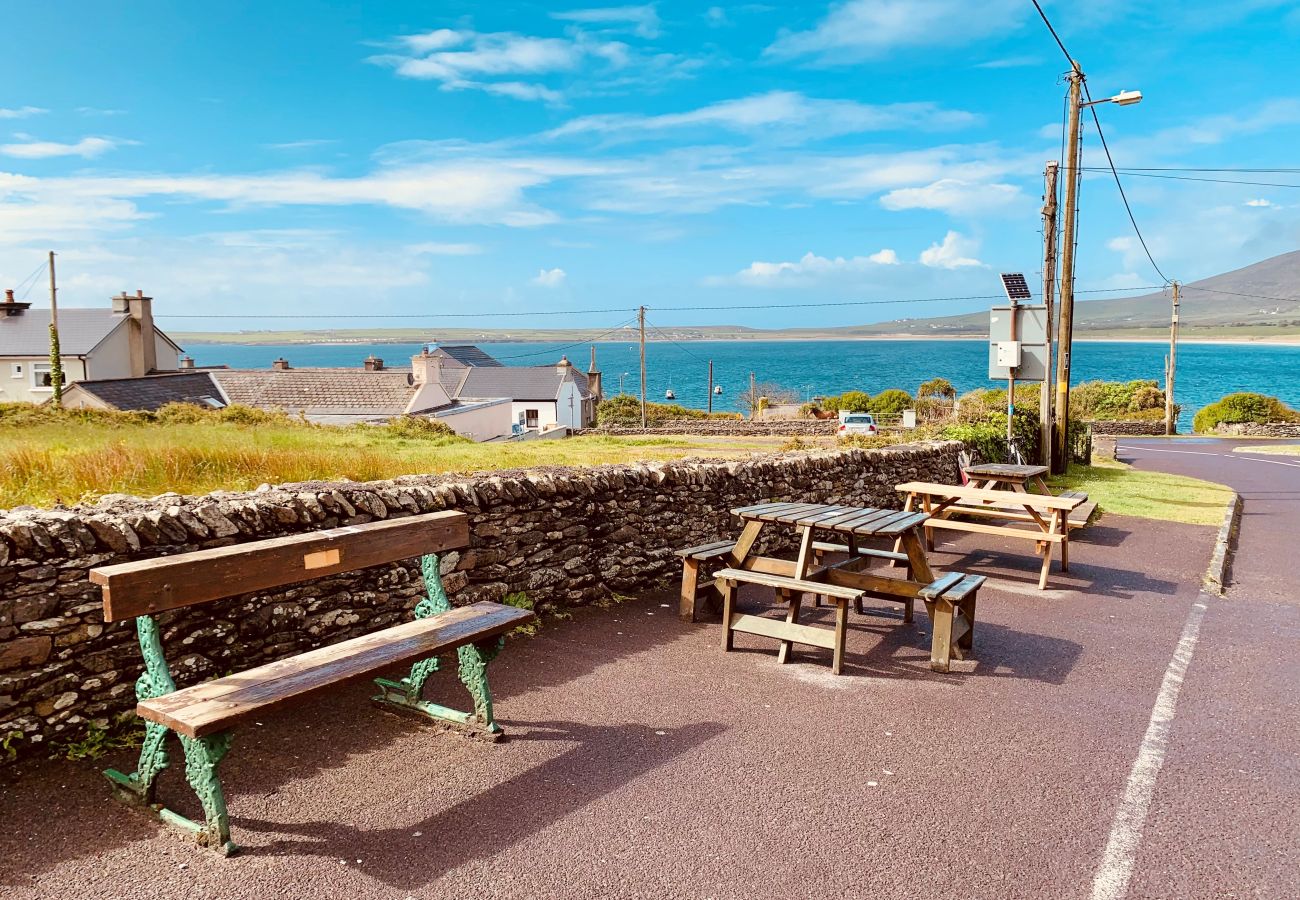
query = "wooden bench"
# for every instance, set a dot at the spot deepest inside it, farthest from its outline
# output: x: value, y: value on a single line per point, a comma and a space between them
x: 203, y: 716
x: 696, y: 585
x: 1047, y: 515
x: 949, y: 599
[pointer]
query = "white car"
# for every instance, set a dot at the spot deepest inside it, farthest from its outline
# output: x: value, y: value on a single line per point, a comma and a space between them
x: 857, y: 423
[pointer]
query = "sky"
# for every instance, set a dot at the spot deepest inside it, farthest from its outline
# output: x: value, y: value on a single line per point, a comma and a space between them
x: 239, y: 160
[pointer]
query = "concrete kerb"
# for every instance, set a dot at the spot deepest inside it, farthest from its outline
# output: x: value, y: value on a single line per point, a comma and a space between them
x: 1216, y: 577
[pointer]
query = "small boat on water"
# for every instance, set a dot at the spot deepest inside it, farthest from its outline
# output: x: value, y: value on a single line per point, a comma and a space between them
x: 669, y: 395
x: 717, y: 389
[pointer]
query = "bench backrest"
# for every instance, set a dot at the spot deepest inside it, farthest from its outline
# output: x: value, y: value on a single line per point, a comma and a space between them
x: 1017, y: 498
x: 187, y: 579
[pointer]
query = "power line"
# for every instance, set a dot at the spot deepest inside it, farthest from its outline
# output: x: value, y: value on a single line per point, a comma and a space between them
x: 30, y: 280
x: 1132, y: 169
x: 552, y: 350
x: 473, y: 315
x: 1239, y: 294
x: 1145, y: 174
x: 1042, y: 15
x: 1138, y: 231
x: 689, y: 353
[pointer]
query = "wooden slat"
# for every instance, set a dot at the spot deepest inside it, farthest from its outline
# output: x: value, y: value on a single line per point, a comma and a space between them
x: 217, y: 705
x: 721, y: 550
x: 878, y: 525
x: 964, y: 588
x: 1078, y: 516
x: 861, y: 551
x: 1033, y: 534
x: 867, y: 517
x: 936, y: 588
x: 783, y: 631
x: 789, y: 584
x: 691, y: 551
x: 899, y: 525
x: 852, y: 512
x: 169, y: 582
x: 788, y: 514
x: 876, y: 585
x: 758, y: 507
x: 1004, y: 470
x: 824, y: 515
x: 1016, y: 498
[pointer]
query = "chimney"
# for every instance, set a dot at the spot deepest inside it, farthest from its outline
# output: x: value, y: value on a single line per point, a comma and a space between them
x: 594, y: 380
x: 564, y: 366
x: 426, y: 368
x: 11, y: 306
x: 186, y: 362
x: 141, y: 338
x: 374, y: 363
x: 280, y: 365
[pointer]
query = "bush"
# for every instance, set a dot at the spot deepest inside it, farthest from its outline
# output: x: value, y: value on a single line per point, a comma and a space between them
x: 937, y: 387
x: 625, y: 409
x: 1241, y: 408
x: 985, y: 441
x: 423, y: 429
x: 891, y: 402
x: 1140, y: 400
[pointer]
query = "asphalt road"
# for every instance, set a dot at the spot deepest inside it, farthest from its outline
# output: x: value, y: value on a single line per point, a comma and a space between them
x: 1119, y: 736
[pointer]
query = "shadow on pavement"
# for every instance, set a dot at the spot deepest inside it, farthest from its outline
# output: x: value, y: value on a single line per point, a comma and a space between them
x: 603, y: 760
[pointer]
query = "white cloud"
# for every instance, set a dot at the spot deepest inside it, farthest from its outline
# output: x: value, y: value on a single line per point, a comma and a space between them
x: 862, y: 29
x: 643, y: 20
x: 306, y: 144
x: 780, y: 114
x: 86, y: 148
x: 550, y: 278
x: 808, y: 269
x: 955, y: 252
x: 1261, y: 202
x: 437, y: 248
x: 953, y: 195
x: 21, y: 112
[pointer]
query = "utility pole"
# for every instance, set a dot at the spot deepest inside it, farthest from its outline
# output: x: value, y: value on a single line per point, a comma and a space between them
x: 1065, y: 324
x: 640, y: 318
x: 753, y: 397
x: 1171, y: 364
x: 710, y: 386
x: 56, y: 357
x: 1011, y: 385
x: 1049, y: 294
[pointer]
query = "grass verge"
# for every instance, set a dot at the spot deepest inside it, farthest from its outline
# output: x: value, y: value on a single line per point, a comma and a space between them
x: 1125, y: 491
x: 1270, y: 449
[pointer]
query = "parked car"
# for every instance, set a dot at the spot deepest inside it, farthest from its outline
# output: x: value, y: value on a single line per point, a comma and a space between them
x: 857, y: 423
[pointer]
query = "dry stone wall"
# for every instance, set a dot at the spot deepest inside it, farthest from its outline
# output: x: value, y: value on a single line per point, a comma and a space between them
x: 563, y: 537
x: 1130, y: 428
x: 1259, y: 429
x: 729, y: 427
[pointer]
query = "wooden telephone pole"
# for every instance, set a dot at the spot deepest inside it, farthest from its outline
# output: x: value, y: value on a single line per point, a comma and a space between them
x: 710, y: 386
x: 640, y: 318
x: 1171, y: 422
x: 1049, y: 296
x: 1065, y: 324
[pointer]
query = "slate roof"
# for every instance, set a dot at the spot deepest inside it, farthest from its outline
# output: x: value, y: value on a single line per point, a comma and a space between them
x: 466, y: 354
x: 80, y: 331
x: 151, y: 392
x: 321, y: 391
x: 521, y: 383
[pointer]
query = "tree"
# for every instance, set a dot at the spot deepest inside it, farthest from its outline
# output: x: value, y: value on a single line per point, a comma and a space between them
x: 891, y: 402
x: 937, y: 387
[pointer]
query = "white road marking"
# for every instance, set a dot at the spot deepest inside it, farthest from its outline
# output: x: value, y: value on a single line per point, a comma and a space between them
x: 1234, y: 455
x: 1111, y: 881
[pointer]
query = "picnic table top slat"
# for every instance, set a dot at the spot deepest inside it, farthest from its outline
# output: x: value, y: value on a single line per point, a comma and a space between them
x: 786, y: 509
x: 1005, y: 470
x: 1010, y: 498
x: 898, y: 526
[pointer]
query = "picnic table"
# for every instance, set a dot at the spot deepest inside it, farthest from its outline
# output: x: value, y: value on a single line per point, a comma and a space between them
x: 1015, y: 476
x: 949, y: 598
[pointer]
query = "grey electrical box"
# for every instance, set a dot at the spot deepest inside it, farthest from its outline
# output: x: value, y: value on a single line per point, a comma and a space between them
x: 1031, y: 339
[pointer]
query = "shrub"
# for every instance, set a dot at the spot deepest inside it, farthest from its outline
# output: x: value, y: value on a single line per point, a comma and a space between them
x: 985, y: 440
x: 423, y: 429
x: 937, y: 387
x: 182, y: 414
x: 891, y: 402
x: 625, y: 409
x: 1243, y: 407
x: 1140, y: 400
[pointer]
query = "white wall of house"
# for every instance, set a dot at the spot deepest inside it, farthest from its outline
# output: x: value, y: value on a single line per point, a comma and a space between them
x: 539, y: 414
x: 569, y: 411
x: 23, y: 379
x: 112, y: 357
x: 480, y: 421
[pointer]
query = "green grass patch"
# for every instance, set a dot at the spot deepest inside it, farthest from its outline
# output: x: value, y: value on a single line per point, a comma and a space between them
x: 1125, y: 491
x: 1271, y: 449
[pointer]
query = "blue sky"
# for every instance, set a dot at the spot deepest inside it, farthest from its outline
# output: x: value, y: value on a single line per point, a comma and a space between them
x: 305, y: 158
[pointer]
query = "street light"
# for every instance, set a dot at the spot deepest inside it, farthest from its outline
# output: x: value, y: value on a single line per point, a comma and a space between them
x: 1065, y: 321
x: 620, y: 381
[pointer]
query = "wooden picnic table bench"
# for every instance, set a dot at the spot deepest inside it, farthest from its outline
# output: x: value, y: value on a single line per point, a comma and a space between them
x: 1016, y: 477
x: 1046, y: 516
x: 203, y: 716
x: 950, y: 602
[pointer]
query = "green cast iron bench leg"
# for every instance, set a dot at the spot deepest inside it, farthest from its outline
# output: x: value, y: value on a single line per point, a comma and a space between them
x: 405, y: 695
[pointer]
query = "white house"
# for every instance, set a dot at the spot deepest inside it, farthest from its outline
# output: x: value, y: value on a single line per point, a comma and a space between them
x: 117, y: 342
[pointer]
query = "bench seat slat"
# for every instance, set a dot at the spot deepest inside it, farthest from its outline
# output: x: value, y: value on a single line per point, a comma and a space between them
x: 790, y: 584
x: 705, y: 548
x: 825, y: 547
x: 944, y: 491
x: 964, y: 588
x: 936, y: 588
x: 214, y: 706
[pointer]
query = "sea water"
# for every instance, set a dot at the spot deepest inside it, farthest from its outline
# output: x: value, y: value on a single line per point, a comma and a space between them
x: 1205, y: 371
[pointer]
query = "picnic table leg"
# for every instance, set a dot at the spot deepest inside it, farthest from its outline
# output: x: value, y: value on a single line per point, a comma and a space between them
x: 1047, y: 564
x: 795, y: 598
x: 1063, y: 525
x: 690, y: 590
x: 929, y: 532
x: 898, y: 543
x: 968, y: 611
x: 918, y: 567
x: 853, y: 552
x: 728, y: 604
x: 841, y: 631
x: 941, y: 642
x: 1042, y: 485
x: 745, y: 543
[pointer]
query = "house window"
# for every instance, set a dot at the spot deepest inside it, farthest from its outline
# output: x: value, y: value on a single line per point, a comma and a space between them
x: 16, y: 370
x: 530, y: 418
x: 41, y: 378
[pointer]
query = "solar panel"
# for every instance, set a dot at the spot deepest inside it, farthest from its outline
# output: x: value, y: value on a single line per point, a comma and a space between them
x: 1016, y: 287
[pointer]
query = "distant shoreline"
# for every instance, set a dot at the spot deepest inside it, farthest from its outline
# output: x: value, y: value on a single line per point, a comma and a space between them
x: 207, y: 340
